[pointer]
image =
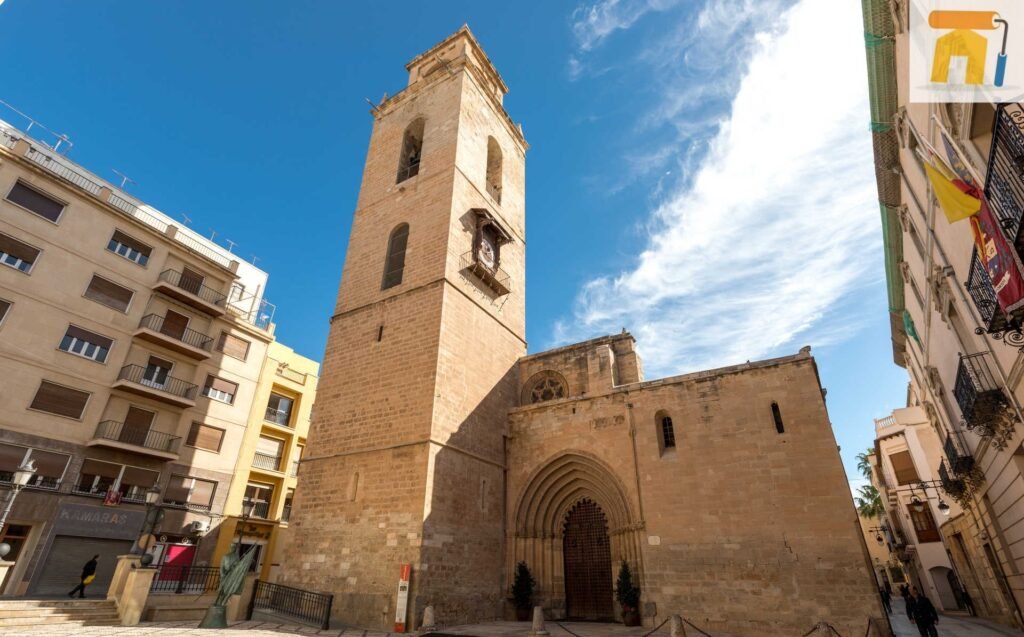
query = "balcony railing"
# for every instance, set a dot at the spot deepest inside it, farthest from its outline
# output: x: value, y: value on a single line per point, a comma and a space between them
x: 286, y: 512
x: 187, y: 336
x: 157, y: 440
x: 294, y: 471
x: 495, y: 278
x: 957, y: 455
x: 304, y: 606
x: 979, y: 286
x: 193, y: 287
x: 171, y: 385
x: 37, y: 481
x: 129, y: 492
x: 280, y: 417
x: 195, y: 580
x: 1004, y: 182
x: 977, y: 392
x: 266, y: 461
x: 261, y: 510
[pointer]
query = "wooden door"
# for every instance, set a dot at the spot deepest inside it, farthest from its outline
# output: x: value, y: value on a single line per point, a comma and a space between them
x: 588, y: 563
x: 191, y: 281
x: 136, y: 426
x: 174, y: 325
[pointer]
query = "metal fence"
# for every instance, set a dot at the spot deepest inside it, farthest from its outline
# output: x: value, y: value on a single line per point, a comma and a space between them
x: 171, y: 385
x: 306, y: 606
x: 186, y: 335
x: 176, y: 579
x: 158, y: 440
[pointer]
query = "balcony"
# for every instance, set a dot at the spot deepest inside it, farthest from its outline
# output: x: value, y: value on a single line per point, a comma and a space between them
x: 979, y: 286
x: 116, y: 435
x: 172, y: 391
x: 192, y: 292
x: 982, y: 402
x: 266, y: 461
x: 155, y: 329
x: 1004, y: 181
x: 957, y: 455
x: 496, y: 279
x: 132, y: 493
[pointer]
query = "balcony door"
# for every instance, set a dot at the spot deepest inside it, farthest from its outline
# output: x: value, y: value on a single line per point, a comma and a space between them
x: 174, y: 325
x: 136, y: 426
x: 156, y: 372
x: 191, y: 281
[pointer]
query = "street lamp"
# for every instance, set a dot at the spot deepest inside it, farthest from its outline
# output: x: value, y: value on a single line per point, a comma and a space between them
x: 916, y: 504
x: 248, y: 504
x: 153, y: 515
x: 943, y: 507
x: 22, y: 476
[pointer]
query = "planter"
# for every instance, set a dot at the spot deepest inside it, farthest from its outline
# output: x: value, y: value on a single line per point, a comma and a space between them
x: 630, y: 617
x: 524, y: 614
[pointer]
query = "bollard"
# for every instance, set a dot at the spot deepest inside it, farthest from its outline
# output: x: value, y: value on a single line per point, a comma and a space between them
x: 429, y: 623
x: 537, y: 629
x: 676, y: 628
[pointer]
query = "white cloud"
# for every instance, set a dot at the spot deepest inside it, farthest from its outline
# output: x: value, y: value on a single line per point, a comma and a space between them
x: 592, y: 24
x: 767, y: 245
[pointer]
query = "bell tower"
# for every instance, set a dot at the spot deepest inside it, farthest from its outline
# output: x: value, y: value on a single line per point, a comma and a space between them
x: 405, y: 459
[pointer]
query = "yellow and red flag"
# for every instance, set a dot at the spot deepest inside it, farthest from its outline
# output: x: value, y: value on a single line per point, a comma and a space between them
x: 998, y: 257
x: 957, y: 199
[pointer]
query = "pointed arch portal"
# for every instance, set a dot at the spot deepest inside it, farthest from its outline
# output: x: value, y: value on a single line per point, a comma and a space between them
x: 587, y: 554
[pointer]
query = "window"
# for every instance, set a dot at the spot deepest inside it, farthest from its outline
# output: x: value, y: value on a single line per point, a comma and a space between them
x: 4, y: 307
x: 279, y: 410
x: 157, y: 371
x: 233, y: 346
x: 544, y: 386
x: 412, y: 148
x: 268, y: 453
x: 17, y: 255
x: 35, y: 201
x: 137, y: 423
x: 261, y: 495
x: 206, y: 437
x: 494, y: 169
x: 60, y: 400
x: 109, y: 293
x: 287, y: 512
x: 220, y: 389
x: 129, y: 248
x: 903, y: 467
x: 191, y: 281
x: 394, y: 264
x: 189, y: 492
x: 50, y: 466
x: 668, y: 433
x: 777, y: 417
x: 98, y: 477
x: 86, y: 344
x: 924, y: 525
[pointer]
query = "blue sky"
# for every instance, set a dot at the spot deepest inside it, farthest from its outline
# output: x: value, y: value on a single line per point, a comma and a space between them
x: 700, y: 171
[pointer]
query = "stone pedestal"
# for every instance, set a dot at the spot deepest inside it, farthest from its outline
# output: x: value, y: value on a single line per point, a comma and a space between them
x: 429, y: 623
x: 676, y: 627
x: 133, y: 598
x: 537, y: 628
x: 238, y: 606
x: 125, y: 565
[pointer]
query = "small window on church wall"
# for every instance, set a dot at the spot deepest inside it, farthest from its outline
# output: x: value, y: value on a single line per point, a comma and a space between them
x: 777, y: 415
x: 668, y: 434
x: 394, y: 264
x: 412, y: 148
x: 353, y: 487
x: 494, y: 169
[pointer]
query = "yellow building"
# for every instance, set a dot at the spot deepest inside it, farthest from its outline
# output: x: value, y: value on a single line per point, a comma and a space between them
x: 268, y: 461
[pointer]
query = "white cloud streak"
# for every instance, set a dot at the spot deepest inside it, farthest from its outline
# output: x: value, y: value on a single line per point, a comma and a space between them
x: 768, y: 244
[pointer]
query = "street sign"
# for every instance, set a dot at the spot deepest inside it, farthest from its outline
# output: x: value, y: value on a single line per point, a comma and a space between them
x: 402, y: 607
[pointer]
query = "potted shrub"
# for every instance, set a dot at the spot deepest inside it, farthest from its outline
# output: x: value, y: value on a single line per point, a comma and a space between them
x: 522, y: 592
x: 628, y: 595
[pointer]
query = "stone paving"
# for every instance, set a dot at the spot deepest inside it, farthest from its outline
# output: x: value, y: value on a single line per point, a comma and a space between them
x: 952, y: 626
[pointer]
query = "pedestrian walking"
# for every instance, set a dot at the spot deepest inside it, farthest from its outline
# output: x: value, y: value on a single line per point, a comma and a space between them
x: 969, y: 603
x: 88, y: 575
x: 908, y: 599
x: 886, y: 599
x: 924, y: 615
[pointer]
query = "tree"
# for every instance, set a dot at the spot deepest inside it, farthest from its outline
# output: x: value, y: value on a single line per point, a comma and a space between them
x: 869, y: 502
x: 863, y: 464
x: 522, y: 587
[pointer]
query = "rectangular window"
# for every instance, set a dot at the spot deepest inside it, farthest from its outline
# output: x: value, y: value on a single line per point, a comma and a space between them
x: 60, y: 400
x: 109, y: 293
x: 924, y: 525
x: 279, y: 410
x: 189, y: 492
x: 50, y: 466
x: 233, y: 346
x: 17, y: 255
x: 205, y: 437
x: 261, y: 495
x: 903, y: 467
x: 97, y: 477
x: 35, y: 201
x: 220, y: 389
x: 157, y: 370
x: 129, y: 248
x: 4, y: 307
x: 86, y: 344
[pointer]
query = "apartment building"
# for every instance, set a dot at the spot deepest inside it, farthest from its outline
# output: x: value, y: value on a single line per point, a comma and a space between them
x: 259, y: 499
x: 131, y: 350
x: 962, y: 351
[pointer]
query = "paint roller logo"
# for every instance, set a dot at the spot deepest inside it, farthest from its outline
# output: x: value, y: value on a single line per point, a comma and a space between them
x: 963, y: 40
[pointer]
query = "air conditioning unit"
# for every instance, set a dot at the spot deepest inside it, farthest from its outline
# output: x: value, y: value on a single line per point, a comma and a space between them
x: 199, y: 526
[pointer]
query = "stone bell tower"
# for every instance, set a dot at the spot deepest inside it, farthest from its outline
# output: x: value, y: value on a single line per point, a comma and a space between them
x: 405, y: 456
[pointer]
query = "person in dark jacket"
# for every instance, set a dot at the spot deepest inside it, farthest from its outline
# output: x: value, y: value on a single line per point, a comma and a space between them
x: 908, y: 599
x: 886, y: 599
x: 924, y: 615
x: 88, y: 571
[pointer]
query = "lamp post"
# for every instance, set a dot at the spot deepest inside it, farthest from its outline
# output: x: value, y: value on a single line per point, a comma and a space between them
x: 247, y: 506
x: 153, y: 516
x: 22, y: 476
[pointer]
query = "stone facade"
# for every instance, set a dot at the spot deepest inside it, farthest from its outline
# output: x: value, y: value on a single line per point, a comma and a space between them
x: 436, y: 442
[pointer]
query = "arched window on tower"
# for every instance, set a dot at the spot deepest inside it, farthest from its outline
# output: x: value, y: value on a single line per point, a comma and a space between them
x: 494, y: 169
x: 666, y: 431
x: 394, y: 264
x: 412, y: 148
x: 777, y: 416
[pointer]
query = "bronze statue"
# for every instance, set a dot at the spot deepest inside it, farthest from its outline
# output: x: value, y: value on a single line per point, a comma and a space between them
x: 233, y: 570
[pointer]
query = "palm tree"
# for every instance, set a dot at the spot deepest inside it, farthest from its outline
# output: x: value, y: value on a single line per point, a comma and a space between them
x: 863, y: 464
x: 869, y: 502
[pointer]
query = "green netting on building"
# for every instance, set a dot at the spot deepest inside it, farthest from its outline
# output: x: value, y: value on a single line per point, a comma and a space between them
x: 879, y: 43
x: 892, y: 236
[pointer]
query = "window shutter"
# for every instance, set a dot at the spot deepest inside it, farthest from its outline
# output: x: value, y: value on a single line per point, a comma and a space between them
x: 269, y: 446
x: 17, y: 249
x: 202, y: 492
x: 99, y: 468
x: 57, y: 399
x: 177, y: 489
x: 221, y: 385
x: 233, y: 346
x: 138, y: 418
x: 89, y: 337
x: 131, y: 242
x: 159, y: 362
x: 204, y: 437
x: 11, y: 457
x: 109, y: 293
x: 903, y: 466
x: 35, y: 201
x: 50, y: 465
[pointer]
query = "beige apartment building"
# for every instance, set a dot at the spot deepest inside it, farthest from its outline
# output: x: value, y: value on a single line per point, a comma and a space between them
x: 132, y: 351
x: 962, y: 353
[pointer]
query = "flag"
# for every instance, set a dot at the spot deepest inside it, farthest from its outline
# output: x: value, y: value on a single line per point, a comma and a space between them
x: 956, y: 203
x: 953, y: 158
x: 997, y: 256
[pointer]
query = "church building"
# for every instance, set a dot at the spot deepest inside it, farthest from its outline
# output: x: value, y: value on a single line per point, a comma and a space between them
x: 437, y: 442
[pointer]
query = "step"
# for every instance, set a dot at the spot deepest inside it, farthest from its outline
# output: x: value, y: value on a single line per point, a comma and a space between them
x: 12, y: 604
x: 61, y: 621
x: 55, y: 612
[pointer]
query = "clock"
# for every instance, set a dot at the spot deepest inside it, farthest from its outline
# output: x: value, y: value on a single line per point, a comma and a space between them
x: 487, y: 254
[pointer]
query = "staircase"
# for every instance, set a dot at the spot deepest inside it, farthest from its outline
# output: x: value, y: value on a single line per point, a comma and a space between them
x: 30, y: 613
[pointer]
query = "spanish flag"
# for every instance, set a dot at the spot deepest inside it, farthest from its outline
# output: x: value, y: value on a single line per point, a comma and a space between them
x: 957, y: 199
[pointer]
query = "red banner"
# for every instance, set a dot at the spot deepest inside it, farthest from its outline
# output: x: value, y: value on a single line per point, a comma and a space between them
x: 999, y: 259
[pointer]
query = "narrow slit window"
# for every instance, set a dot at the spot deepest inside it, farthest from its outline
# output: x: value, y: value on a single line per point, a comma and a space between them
x: 394, y: 264
x: 777, y: 415
x: 668, y: 433
x: 412, y: 149
x: 494, y: 169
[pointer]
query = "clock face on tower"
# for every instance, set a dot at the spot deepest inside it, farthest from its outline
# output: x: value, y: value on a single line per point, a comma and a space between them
x: 487, y: 253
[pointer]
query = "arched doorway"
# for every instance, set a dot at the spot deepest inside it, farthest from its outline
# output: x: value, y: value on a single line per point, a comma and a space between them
x: 587, y: 554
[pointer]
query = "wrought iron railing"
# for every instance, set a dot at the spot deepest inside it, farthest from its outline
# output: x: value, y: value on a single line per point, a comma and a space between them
x: 495, y: 278
x: 196, y: 580
x: 266, y: 461
x: 957, y: 455
x: 286, y: 512
x: 188, y: 335
x: 306, y: 606
x: 190, y: 285
x: 49, y: 483
x: 136, y: 494
x: 1004, y: 181
x: 158, y: 440
x: 278, y: 416
x: 979, y: 286
x: 976, y: 390
x: 408, y: 170
x: 171, y: 385
x: 261, y: 510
